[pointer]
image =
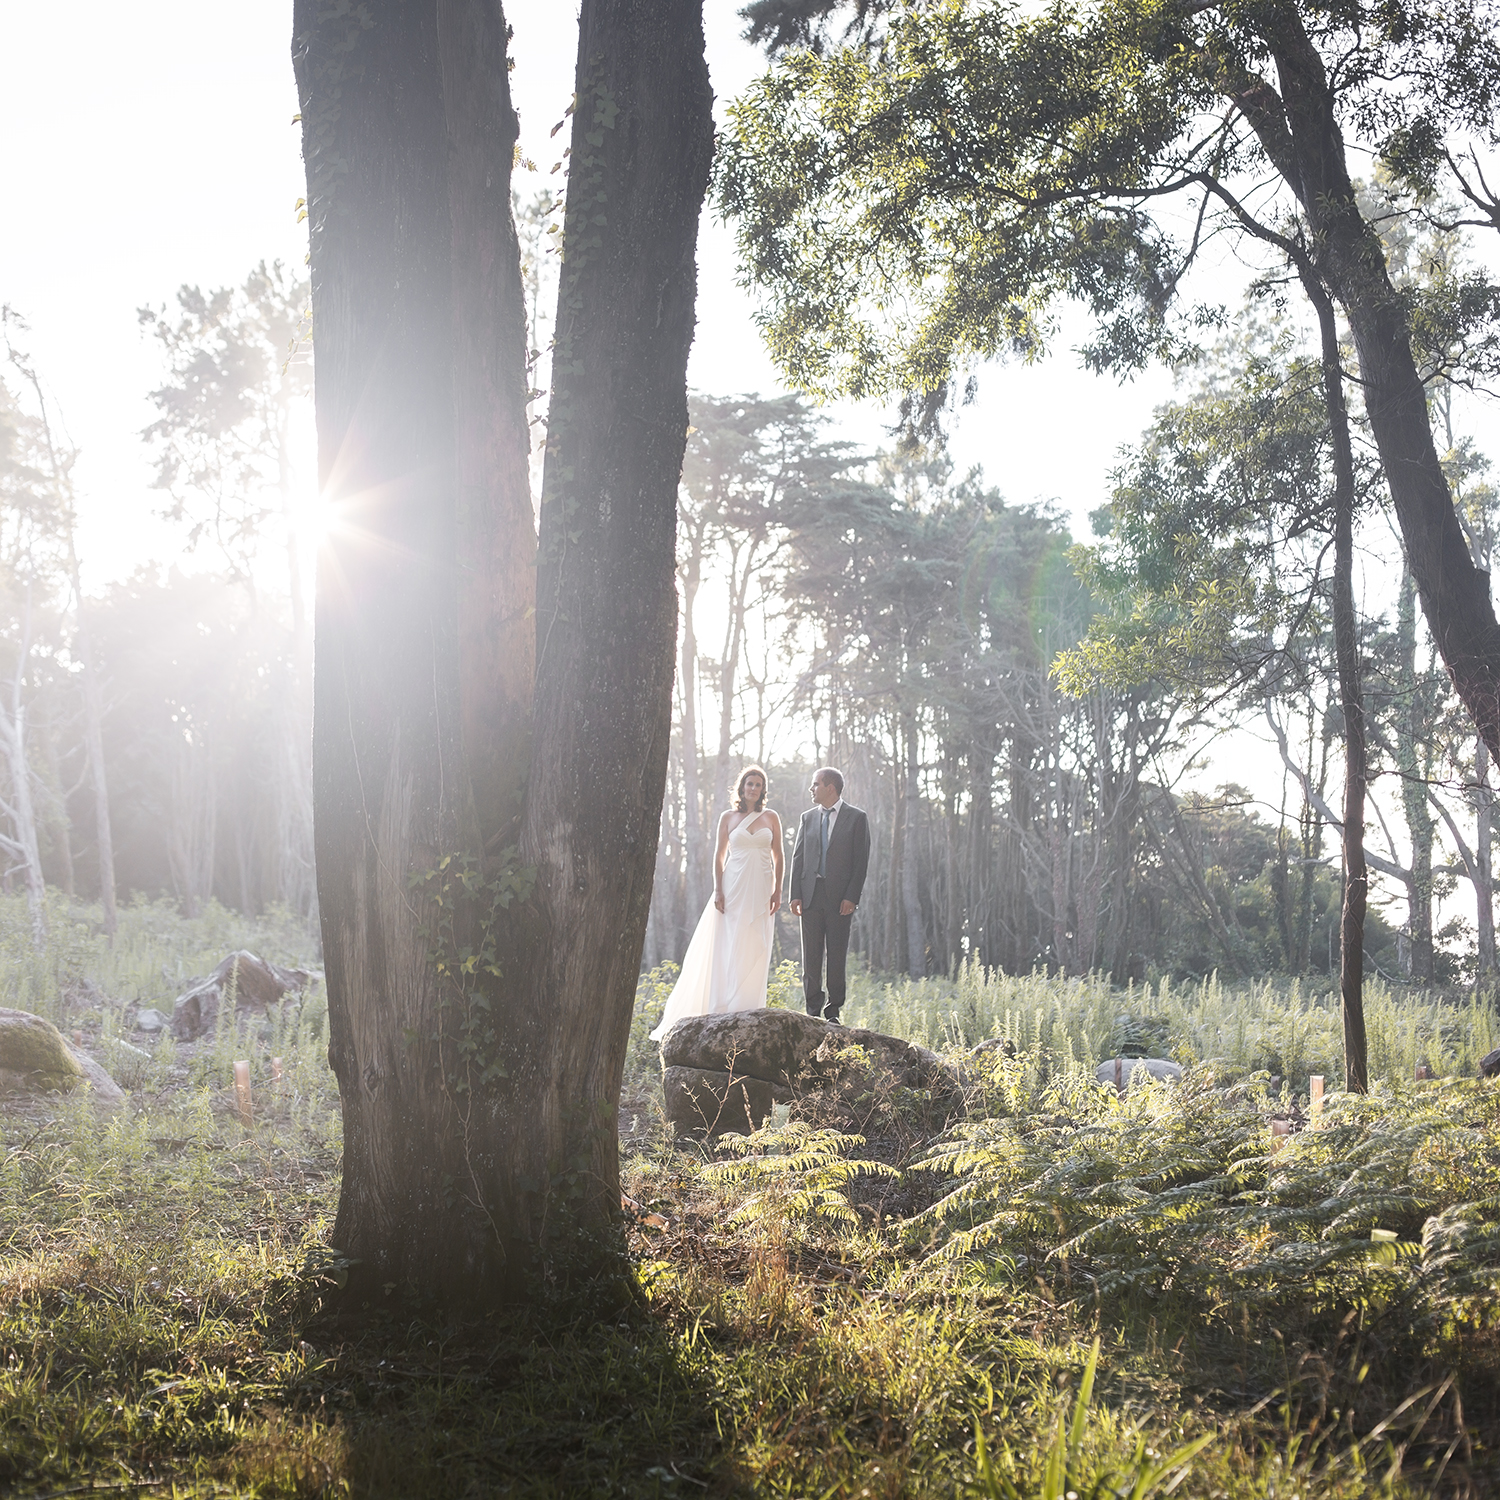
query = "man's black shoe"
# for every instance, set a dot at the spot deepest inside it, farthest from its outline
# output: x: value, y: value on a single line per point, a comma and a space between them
x: 832, y: 1017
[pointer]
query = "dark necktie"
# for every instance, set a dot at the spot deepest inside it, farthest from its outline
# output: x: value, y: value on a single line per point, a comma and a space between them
x: 823, y: 841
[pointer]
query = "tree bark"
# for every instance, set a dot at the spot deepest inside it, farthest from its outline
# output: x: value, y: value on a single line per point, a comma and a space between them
x: 911, y: 901
x: 606, y: 600
x: 691, y: 574
x: 1412, y: 730
x: 1484, y: 882
x: 1351, y: 693
x: 424, y: 638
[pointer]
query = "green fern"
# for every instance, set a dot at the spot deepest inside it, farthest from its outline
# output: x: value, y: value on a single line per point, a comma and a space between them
x: 798, y: 1170
x: 1394, y: 1203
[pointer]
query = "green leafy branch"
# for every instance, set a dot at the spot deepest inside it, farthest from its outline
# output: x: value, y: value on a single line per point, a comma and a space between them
x: 467, y: 899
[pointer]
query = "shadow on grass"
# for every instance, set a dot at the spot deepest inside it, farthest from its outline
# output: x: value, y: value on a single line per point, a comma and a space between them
x: 404, y: 1407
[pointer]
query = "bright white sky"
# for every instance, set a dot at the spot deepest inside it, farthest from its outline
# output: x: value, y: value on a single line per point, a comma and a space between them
x: 152, y: 144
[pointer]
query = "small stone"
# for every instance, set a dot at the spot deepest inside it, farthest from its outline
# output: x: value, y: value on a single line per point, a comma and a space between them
x: 151, y: 1020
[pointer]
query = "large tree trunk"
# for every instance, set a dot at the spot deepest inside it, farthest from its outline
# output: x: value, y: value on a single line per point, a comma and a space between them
x: 1301, y: 135
x: 479, y: 1055
x: 606, y: 601
x: 424, y: 645
x: 694, y: 838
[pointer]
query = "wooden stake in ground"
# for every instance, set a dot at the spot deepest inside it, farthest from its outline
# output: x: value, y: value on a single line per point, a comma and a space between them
x: 1315, y: 1100
x: 242, y: 1091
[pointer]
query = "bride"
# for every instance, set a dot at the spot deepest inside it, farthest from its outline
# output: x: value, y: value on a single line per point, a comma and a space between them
x: 727, y: 960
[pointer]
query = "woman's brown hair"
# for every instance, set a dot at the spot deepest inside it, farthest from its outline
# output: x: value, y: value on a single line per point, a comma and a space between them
x: 739, y: 789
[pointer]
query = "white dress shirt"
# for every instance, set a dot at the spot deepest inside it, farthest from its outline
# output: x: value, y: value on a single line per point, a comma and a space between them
x: 833, y: 817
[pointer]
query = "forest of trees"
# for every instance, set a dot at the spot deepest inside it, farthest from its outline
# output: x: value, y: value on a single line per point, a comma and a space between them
x: 882, y: 615
x: 156, y: 728
x: 1024, y: 712
x: 874, y: 610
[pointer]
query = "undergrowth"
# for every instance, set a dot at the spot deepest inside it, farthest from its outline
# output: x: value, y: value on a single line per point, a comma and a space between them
x: 1064, y: 1292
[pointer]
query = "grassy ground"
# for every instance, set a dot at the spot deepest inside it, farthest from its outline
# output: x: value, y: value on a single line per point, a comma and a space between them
x: 1061, y: 1292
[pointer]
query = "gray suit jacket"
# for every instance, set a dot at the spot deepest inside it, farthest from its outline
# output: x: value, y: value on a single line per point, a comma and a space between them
x: 848, y: 855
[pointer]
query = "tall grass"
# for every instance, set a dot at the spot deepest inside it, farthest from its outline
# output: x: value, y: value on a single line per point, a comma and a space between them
x: 1284, y: 1027
x: 1066, y: 1291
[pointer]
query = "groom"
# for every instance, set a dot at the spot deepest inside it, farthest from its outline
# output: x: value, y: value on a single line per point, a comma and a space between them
x: 829, y: 861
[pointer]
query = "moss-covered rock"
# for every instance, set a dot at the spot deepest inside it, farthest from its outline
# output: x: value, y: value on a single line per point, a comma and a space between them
x: 33, y: 1054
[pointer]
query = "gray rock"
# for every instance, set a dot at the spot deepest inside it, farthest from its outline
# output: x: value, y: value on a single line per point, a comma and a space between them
x: 254, y: 983
x: 1489, y: 1064
x: 34, y: 1057
x: 105, y: 1090
x: 151, y: 1020
x: 1001, y: 1044
x: 781, y: 1046
x: 713, y: 1101
x: 1120, y: 1070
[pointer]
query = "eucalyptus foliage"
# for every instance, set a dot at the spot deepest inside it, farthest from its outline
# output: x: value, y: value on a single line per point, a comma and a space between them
x: 915, y: 204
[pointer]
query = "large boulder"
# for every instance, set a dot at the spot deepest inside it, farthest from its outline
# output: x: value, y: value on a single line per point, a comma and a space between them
x: 35, y: 1059
x: 253, y: 983
x: 781, y: 1046
x: 1120, y: 1070
x: 716, y: 1068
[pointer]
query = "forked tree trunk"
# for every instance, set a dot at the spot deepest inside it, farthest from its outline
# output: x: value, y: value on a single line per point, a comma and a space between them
x: 479, y: 1111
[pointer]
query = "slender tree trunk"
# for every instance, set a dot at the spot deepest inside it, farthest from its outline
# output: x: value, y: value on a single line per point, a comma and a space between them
x: 1484, y: 879
x: 57, y: 803
x: 93, y: 741
x: 23, y: 811
x: 1411, y: 730
x: 1351, y: 693
x: 1300, y: 133
x: 911, y: 900
x: 691, y: 573
x: 93, y: 713
x: 893, y: 949
x: 295, y: 876
x: 192, y: 837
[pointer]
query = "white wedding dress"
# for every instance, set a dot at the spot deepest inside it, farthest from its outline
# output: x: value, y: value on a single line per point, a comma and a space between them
x: 727, y: 961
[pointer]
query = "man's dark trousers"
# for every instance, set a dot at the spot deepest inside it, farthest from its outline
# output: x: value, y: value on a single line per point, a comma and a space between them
x: 824, y: 930
x: 843, y: 868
